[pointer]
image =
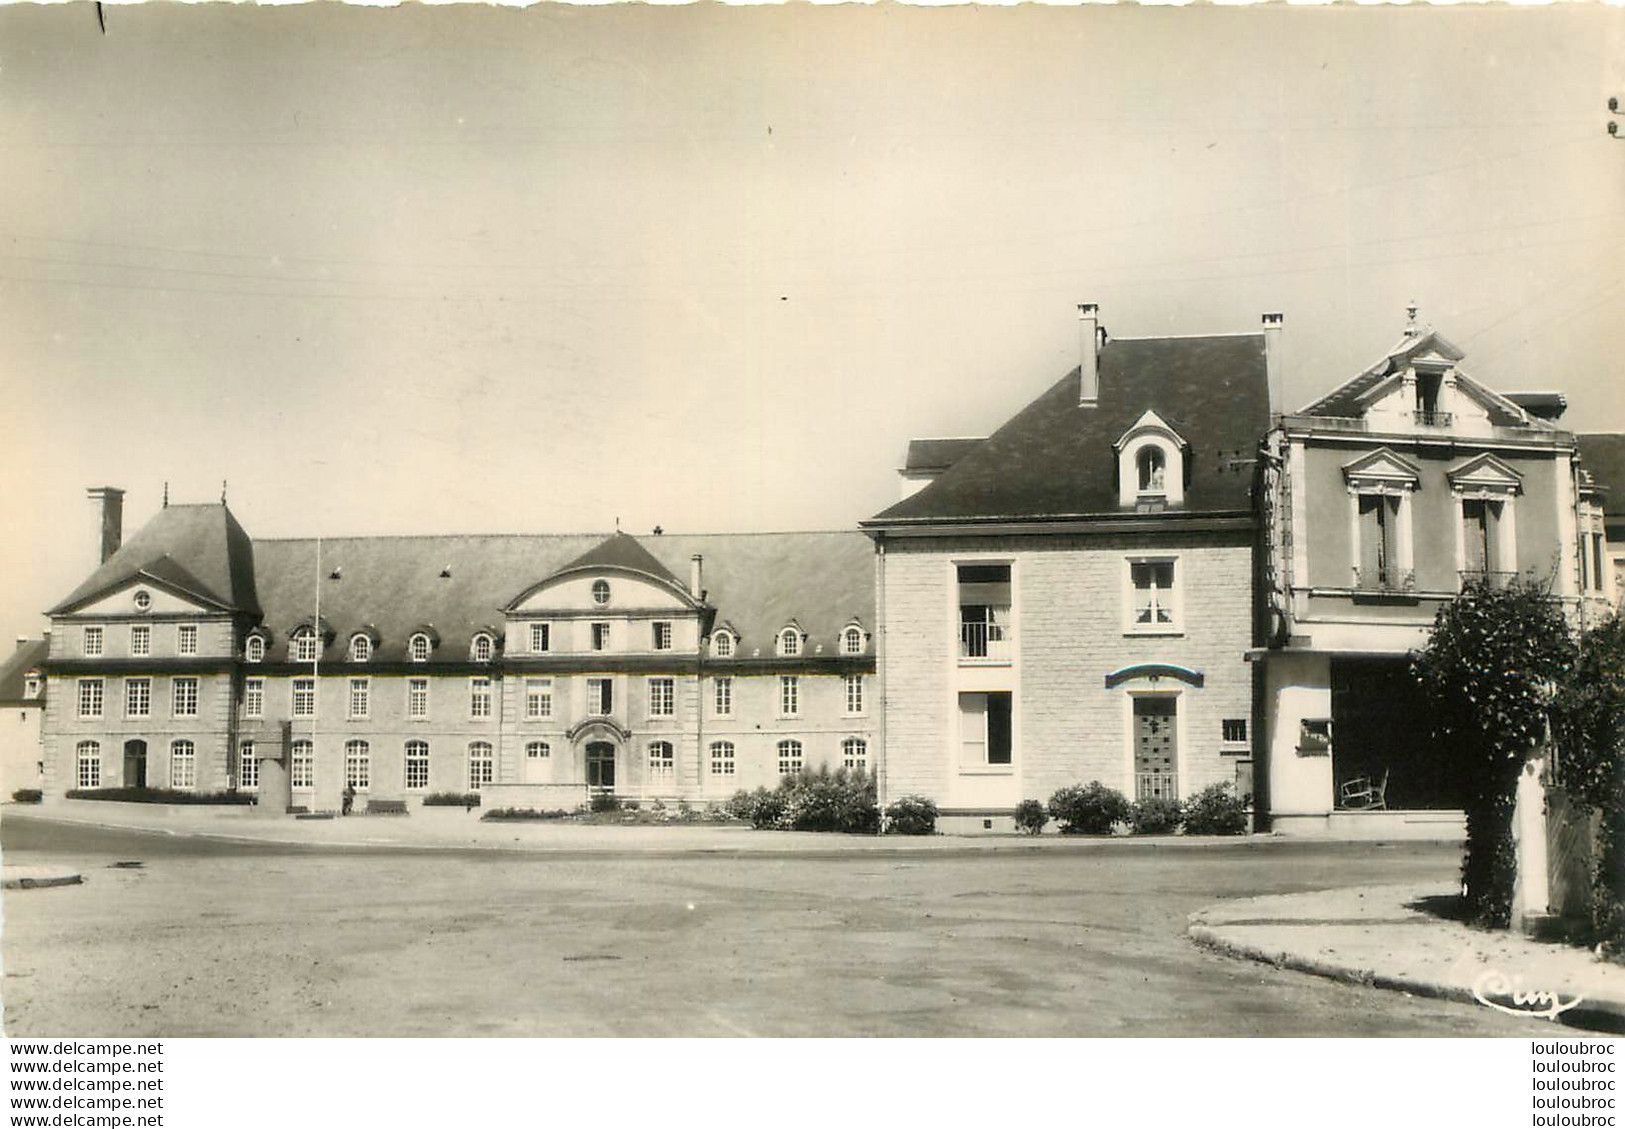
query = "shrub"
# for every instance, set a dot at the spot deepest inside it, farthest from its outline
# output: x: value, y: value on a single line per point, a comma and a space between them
x: 523, y: 815
x: 761, y: 809
x: 843, y: 800
x: 1216, y: 810
x: 1031, y: 816
x: 911, y: 815
x: 1156, y: 815
x: 1089, y: 809
x: 28, y: 795
x: 452, y: 800
x: 604, y: 801
x: 160, y: 796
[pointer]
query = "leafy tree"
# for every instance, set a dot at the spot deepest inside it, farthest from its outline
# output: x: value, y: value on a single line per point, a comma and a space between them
x: 1489, y: 670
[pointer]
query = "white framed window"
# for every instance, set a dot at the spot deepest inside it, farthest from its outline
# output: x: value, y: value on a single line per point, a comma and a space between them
x: 855, y: 753
x: 984, y: 730
x: 790, y: 759
x: 790, y: 641
x: 183, y: 697
x: 143, y: 600
x: 417, y: 765
x: 789, y: 695
x: 360, y: 698
x: 254, y: 649
x: 1380, y: 484
x: 662, y: 635
x: 248, y: 768
x: 600, y: 696
x: 852, y: 640
x: 360, y: 649
x: 662, y: 760
x: 253, y: 697
x: 538, y: 750
x: 600, y: 636
x: 89, y: 761
x: 541, y: 637
x: 538, y: 697
x: 1151, y: 471
x: 600, y: 592
x: 186, y: 639
x: 662, y: 697
x: 303, y: 645
x: 32, y: 684
x: 182, y: 764
x: 722, y: 644
x: 357, y: 765
x: 1151, y: 463
x: 304, y: 697
x: 138, y: 697
x: 418, y: 648
x: 417, y: 698
x: 479, y: 696
x: 1233, y: 731
x: 483, y: 648
x: 722, y: 758
x: 480, y: 765
x: 722, y: 696
x: 90, y: 697
x: 140, y: 640
x: 93, y: 643
x: 302, y: 764
x: 853, y: 686
x: 1154, y: 602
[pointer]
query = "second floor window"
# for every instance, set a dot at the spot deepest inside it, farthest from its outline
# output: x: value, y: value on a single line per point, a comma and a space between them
x: 789, y: 695
x: 540, y: 637
x: 93, y: 642
x: 1481, y: 536
x: 662, y: 697
x: 479, y: 697
x: 185, y: 697
x: 538, y: 697
x: 140, y: 640
x: 253, y: 697
x: 1155, y: 599
x: 138, y: 697
x: 722, y: 696
x: 662, y: 636
x: 186, y: 639
x: 360, y: 698
x: 1379, y: 564
x: 600, y: 636
x: 304, y: 697
x: 90, y: 697
x: 854, y: 692
x: 417, y: 698
x: 600, y: 696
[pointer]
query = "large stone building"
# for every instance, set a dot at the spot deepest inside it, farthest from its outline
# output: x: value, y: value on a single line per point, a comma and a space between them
x: 22, y: 709
x: 1070, y: 598
x: 198, y: 658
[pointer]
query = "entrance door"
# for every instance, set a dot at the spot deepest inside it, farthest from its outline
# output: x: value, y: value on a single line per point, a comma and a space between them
x: 601, y: 766
x: 135, y: 764
x: 1156, y: 748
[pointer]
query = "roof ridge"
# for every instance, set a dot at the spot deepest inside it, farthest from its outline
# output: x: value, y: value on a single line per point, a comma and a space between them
x: 590, y: 533
x: 1186, y: 336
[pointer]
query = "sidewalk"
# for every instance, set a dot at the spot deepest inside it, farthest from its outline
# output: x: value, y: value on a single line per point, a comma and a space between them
x: 454, y: 828
x: 1395, y: 937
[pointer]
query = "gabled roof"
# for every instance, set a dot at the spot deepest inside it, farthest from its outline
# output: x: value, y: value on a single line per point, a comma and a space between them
x: 1056, y: 459
x: 200, y: 550
x: 933, y: 456
x: 621, y: 552
x: 14, y: 670
x: 1602, y: 455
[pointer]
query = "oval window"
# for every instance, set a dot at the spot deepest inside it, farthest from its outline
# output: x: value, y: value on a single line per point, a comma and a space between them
x: 600, y: 591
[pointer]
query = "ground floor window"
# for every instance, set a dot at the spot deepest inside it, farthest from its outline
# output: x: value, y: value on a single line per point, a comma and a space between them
x: 984, y: 729
x: 248, y: 767
x: 182, y: 765
x: 789, y: 758
x: 357, y: 765
x: 90, y: 764
x: 722, y: 758
x: 302, y: 765
x: 855, y: 753
x: 417, y: 764
x: 662, y: 759
x: 538, y: 750
x: 481, y: 766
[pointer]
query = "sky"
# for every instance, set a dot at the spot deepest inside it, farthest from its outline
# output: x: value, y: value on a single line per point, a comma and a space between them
x: 460, y: 269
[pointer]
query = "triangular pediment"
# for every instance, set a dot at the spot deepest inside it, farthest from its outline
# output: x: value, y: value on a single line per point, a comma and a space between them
x: 1382, y: 465
x: 171, y: 588
x: 1150, y: 423
x: 1485, y: 472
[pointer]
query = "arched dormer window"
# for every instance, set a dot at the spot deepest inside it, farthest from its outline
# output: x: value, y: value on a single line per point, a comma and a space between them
x: 1150, y: 463
x: 254, y: 649
x: 722, y: 643
x: 302, y: 646
x: 360, y: 649
x: 418, y: 648
x: 852, y: 640
x: 789, y: 641
x: 482, y: 648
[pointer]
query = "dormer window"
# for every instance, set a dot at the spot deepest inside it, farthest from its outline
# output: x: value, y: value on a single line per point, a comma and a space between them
x: 303, y: 645
x: 254, y: 649
x: 852, y: 640
x: 1429, y: 383
x: 1150, y: 463
x: 1152, y: 467
x: 722, y: 644
x: 790, y: 641
x: 600, y: 592
x: 482, y: 648
x: 31, y: 686
x: 360, y: 649
x: 418, y: 648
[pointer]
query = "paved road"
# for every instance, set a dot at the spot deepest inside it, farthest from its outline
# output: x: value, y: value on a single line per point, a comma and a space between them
x: 210, y: 938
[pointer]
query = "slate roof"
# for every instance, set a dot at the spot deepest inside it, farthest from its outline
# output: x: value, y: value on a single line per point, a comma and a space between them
x: 198, y: 548
x: 1603, y: 456
x: 1056, y: 459
x: 757, y: 582
x: 622, y: 551
x: 13, y: 669
x: 936, y: 455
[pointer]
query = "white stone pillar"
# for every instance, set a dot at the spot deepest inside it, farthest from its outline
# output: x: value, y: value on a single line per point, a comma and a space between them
x: 1531, y: 893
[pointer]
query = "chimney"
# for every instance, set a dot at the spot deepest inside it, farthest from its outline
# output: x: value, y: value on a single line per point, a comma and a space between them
x: 696, y: 566
x: 1272, y: 362
x: 1089, y: 345
x: 112, y: 500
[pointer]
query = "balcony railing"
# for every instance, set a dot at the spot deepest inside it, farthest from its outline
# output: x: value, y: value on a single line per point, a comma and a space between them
x: 1385, y: 579
x: 984, y: 642
x: 1426, y: 418
x: 1156, y: 785
x: 1486, y: 578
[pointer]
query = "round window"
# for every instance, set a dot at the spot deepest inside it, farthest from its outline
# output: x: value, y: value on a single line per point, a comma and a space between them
x: 600, y: 591
x: 143, y: 600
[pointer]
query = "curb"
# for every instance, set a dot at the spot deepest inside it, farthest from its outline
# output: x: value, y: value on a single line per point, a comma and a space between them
x: 1592, y: 1015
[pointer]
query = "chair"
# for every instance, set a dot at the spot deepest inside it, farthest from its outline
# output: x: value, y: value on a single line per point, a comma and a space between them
x: 1361, y: 793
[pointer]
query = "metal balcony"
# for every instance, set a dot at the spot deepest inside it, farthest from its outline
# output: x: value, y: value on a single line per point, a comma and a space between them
x: 1486, y: 578
x: 982, y: 642
x: 1385, y: 579
x: 1432, y: 419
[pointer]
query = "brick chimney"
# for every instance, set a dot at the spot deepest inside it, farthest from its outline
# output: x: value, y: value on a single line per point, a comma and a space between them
x: 112, y: 518
x: 1273, y: 367
x: 1089, y: 362
x: 696, y: 567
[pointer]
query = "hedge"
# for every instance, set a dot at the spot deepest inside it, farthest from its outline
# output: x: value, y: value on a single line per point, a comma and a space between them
x: 161, y: 796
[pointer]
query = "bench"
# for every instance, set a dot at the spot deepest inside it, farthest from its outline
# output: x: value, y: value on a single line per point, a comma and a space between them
x: 386, y: 807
